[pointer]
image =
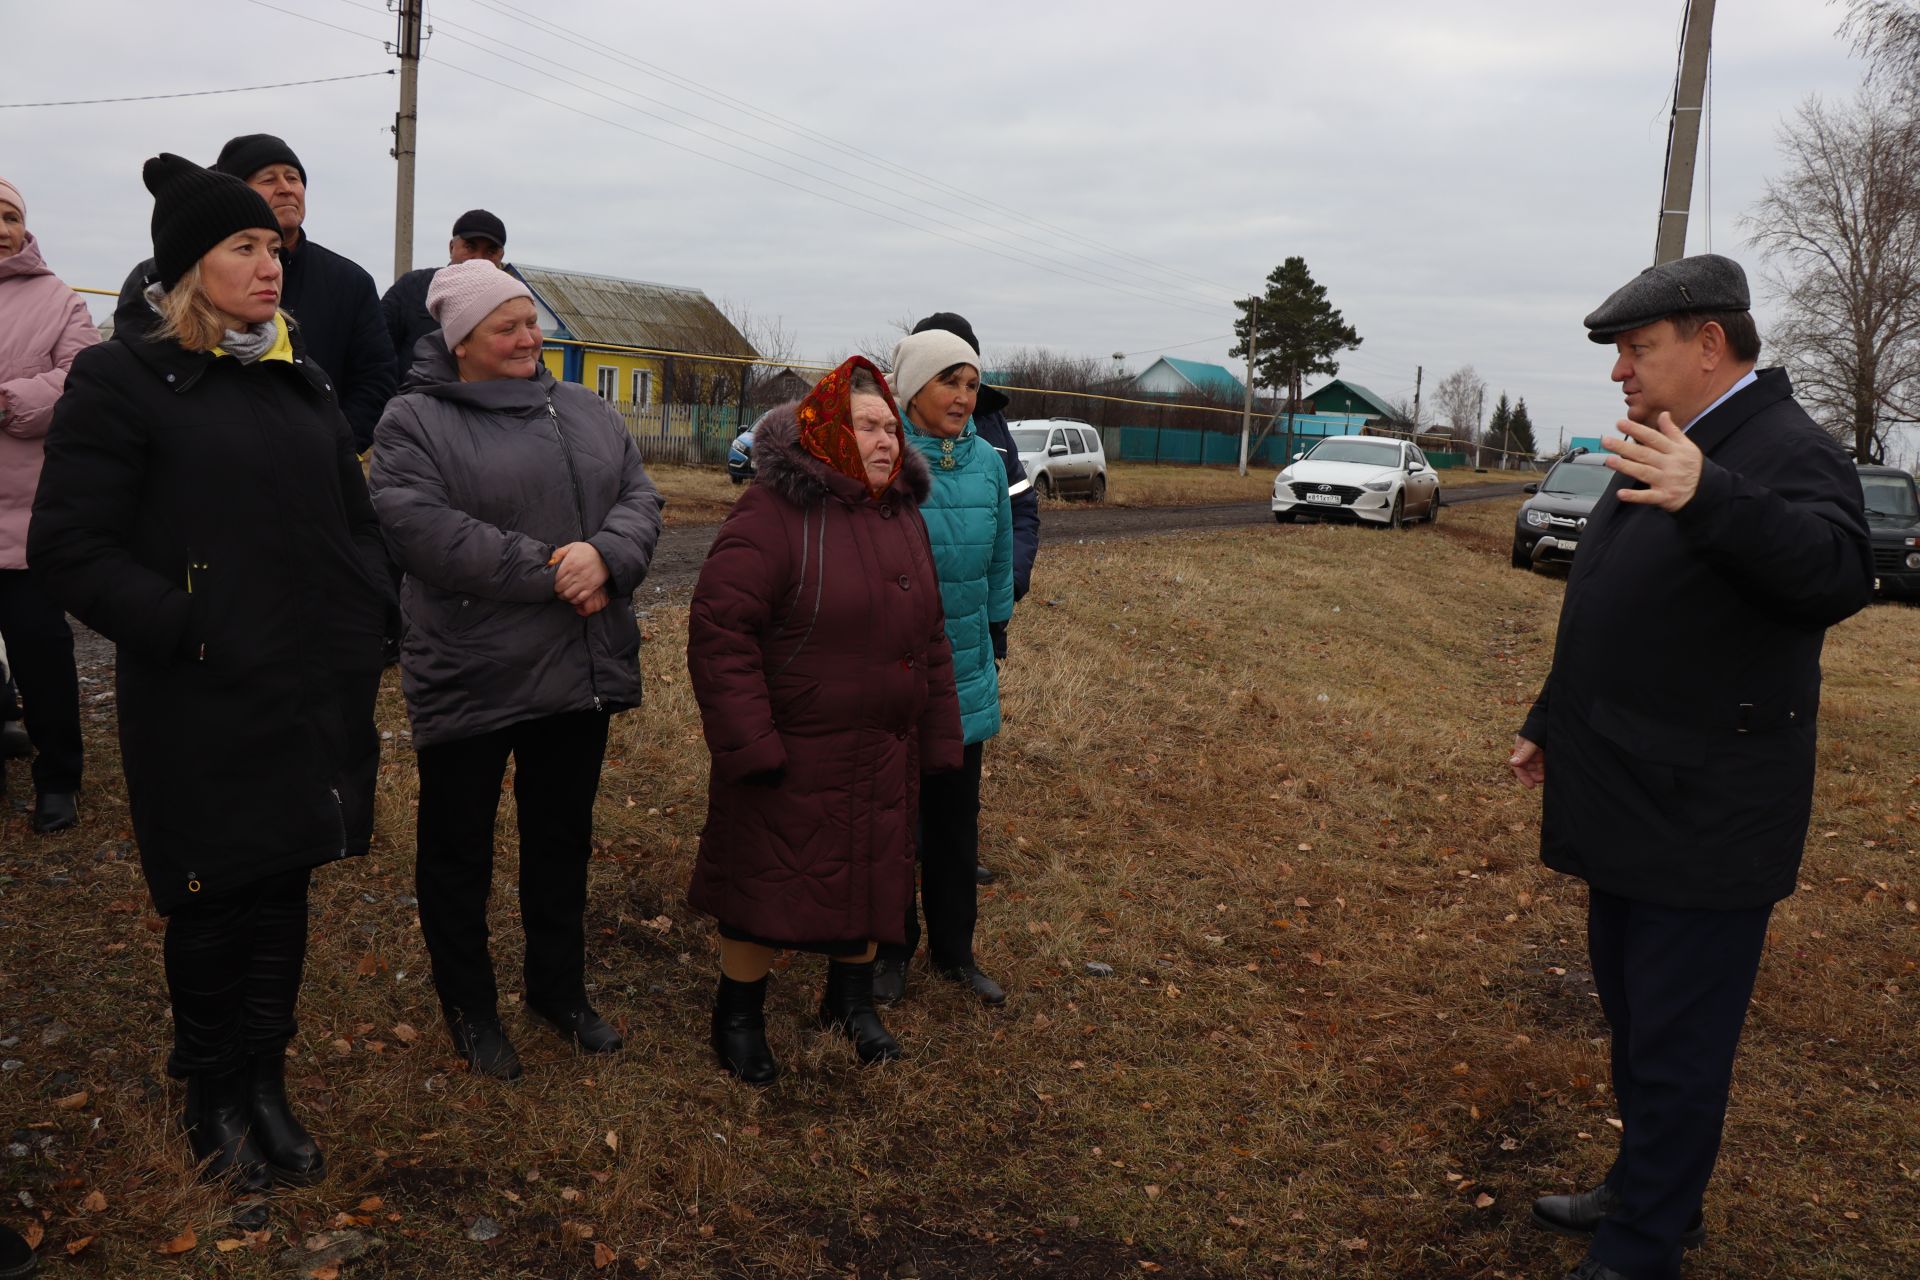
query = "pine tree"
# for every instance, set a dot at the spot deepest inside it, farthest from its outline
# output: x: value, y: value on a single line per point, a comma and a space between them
x: 1520, y: 431
x: 1500, y: 428
x: 1299, y: 332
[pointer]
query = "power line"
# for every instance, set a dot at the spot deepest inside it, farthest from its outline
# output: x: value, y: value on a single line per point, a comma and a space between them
x: 318, y: 22
x: 813, y: 165
x: 817, y: 192
x: 1178, y: 346
x: 513, y: 13
x: 196, y: 93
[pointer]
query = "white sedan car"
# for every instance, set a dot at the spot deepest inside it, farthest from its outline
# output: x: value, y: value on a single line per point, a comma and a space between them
x: 1369, y: 478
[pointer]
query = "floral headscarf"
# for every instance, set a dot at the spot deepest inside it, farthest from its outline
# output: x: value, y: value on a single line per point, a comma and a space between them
x: 826, y: 423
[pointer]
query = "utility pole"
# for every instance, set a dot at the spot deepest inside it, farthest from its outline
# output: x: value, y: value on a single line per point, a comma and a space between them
x: 405, y: 128
x: 1246, y: 413
x: 1419, y: 372
x: 1683, y: 134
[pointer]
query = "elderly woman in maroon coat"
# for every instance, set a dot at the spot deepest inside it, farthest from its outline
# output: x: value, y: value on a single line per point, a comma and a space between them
x: 819, y: 656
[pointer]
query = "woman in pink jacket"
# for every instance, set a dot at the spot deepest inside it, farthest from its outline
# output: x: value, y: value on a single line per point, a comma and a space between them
x: 43, y: 325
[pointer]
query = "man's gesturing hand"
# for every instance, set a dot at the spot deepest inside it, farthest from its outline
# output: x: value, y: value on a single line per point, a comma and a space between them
x: 1528, y: 762
x: 1660, y: 457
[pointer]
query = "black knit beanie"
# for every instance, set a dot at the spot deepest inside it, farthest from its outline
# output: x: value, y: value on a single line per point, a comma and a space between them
x: 953, y: 323
x: 194, y: 209
x: 249, y: 153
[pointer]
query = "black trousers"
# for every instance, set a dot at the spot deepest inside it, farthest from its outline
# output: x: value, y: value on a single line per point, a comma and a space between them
x: 234, y: 963
x: 949, y: 850
x: 40, y: 653
x: 556, y: 776
x: 1674, y: 984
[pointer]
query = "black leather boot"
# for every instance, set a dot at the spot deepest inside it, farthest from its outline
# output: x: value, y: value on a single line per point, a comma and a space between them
x: 889, y: 980
x: 739, y: 1036
x: 290, y: 1151
x: 483, y: 1043
x: 217, y: 1125
x: 1581, y: 1214
x: 847, y: 1007
x: 580, y: 1027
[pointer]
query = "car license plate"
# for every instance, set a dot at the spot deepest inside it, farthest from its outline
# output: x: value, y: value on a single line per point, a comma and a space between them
x: 1331, y: 499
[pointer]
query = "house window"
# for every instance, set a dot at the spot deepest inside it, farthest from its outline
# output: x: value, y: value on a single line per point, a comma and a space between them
x: 643, y: 386
x: 607, y: 381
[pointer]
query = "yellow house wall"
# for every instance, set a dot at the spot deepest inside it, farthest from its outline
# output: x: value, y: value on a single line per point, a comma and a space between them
x: 624, y: 365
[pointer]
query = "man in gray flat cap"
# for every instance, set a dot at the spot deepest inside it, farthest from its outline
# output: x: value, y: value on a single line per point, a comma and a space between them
x: 1679, y: 718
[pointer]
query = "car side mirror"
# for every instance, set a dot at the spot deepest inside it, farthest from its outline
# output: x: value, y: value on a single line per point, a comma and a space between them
x: 1533, y: 488
x: 1299, y: 455
x: 1056, y: 451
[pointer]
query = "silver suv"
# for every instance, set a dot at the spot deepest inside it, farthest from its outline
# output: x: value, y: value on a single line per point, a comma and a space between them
x: 1062, y: 456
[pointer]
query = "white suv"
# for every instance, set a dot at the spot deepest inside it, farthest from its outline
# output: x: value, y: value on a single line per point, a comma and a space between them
x: 1062, y: 456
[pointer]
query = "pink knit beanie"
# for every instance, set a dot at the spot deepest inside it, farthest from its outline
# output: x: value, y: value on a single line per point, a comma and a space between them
x: 465, y: 293
x: 11, y: 194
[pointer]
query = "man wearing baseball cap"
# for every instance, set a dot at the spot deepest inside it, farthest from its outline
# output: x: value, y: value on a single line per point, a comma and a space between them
x: 476, y: 234
x: 1678, y: 718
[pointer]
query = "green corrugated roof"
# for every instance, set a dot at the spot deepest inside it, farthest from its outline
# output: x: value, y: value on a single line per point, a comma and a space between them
x: 1353, y: 391
x: 1212, y: 379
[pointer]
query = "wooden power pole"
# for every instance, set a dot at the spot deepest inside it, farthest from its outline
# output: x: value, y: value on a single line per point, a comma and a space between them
x: 1419, y: 372
x: 1246, y: 412
x: 405, y: 128
x: 1683, y: 135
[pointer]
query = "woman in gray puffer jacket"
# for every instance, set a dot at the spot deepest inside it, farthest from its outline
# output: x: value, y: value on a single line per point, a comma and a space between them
x: 521, y: 513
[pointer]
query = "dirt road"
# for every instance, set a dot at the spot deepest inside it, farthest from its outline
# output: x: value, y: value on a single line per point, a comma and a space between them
x: 682, y: 549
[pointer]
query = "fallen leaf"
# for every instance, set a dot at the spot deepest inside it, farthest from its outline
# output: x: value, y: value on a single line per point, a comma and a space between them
x: 372, y: 1204
x: 33, y: 1234
x: 72, y: 1102
x: 1358, y: 1244
x: 96, y: 1202
x: 324, y: 1273
x: 612, y: 1140
x: 603, y: 1256
x: 182, y: 1243
x: 367, y: 965
x: 228, y: 1245
x: 404, y: 1033
x: 76, y: 1247
x: 1483, y: 1201
x: 1153, y: 1192
x: 343, y: 1047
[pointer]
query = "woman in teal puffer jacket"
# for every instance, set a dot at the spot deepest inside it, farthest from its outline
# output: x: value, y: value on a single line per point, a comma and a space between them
x: 936, y: 379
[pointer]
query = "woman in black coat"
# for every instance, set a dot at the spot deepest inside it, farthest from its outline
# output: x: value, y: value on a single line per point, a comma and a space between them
x: 202, y: 508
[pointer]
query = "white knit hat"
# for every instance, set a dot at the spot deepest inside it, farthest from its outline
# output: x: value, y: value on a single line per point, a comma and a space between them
x: 920, y: 357
x: 465, y: 293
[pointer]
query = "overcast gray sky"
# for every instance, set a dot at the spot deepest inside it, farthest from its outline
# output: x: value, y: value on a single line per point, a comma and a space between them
x: 1467, y: 179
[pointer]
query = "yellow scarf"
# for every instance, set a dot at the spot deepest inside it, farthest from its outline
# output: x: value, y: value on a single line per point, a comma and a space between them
x: 282, y: 348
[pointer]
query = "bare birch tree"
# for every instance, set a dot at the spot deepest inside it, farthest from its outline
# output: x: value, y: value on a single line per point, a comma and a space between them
x: 1840, y: 230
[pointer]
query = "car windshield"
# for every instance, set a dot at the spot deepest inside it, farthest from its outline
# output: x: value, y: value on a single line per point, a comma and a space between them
x: 1030, y: 439
x: 1374, y: 453
x: 1889, y: 496
x: 1582, y: 480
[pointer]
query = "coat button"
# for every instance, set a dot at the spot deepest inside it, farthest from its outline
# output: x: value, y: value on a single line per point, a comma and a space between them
x: 905, y: 582
x: 886, y: 511
x: 169, y: 377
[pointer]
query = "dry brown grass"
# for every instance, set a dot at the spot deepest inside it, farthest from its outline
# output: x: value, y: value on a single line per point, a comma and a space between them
x: 1258, y: 773
x: 695, y: 495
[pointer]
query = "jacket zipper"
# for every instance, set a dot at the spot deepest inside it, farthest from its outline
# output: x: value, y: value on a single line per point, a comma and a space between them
x: 580, y: 516
x: 340, y: 820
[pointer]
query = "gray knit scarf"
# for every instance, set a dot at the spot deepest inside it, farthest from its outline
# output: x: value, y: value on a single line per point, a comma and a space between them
x: 245, y: 345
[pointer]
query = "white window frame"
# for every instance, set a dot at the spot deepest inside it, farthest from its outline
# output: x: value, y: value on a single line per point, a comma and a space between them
x: 606, y: 382
x: 642, y: 387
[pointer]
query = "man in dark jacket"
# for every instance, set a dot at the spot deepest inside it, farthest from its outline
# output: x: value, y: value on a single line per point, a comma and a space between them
x: 1679, y: 715
x: 476, y: 234
x: 333, y: 298
x: 990, y: 421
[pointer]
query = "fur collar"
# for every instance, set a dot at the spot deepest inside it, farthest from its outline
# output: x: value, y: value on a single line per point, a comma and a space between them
x: 802, y: 479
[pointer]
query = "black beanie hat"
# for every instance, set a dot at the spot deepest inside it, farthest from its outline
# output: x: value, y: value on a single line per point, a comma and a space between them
x: 953, y: 323
x: 194, y: 209
x: 249, y: 153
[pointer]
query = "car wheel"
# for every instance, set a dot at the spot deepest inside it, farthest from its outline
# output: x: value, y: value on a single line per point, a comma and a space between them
x: 1397, y: 519
x: 1043, y: 485
x: 1433, y: 509
x: 738, y: 479
x: 1098, y: 493
x: 1283, y: 517
x: 1521, y: 558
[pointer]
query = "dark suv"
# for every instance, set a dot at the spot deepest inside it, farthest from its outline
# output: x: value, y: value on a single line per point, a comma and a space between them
x: 1893, y: 521
x: 1548, y: 528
